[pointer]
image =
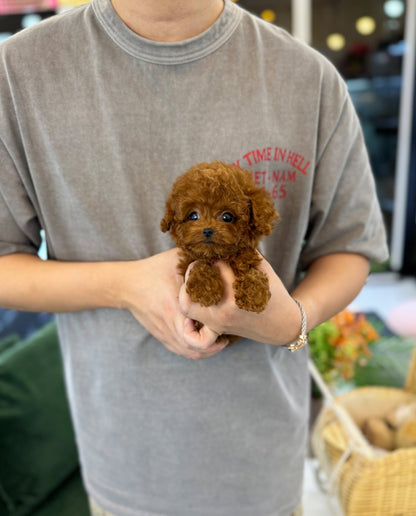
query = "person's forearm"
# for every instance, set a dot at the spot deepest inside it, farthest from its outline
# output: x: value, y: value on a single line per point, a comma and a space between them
x: 28, y: 283
x: 148, y: 288
x: 330, y: 284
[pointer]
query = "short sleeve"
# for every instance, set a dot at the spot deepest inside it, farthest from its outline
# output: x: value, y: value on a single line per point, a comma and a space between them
x: 19, y: 224
x: 345, y: 214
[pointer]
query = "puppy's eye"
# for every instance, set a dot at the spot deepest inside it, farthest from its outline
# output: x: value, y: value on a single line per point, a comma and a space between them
x: 227, y: 217
x: 193, y: 216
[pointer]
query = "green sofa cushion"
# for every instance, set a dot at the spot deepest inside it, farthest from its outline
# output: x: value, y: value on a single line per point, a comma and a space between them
x: 8, y: 342
x: 37, y: 445
x: 70, y: 499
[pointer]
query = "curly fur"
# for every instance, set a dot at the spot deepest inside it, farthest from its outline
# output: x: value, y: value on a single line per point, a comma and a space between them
x: 216, y: 212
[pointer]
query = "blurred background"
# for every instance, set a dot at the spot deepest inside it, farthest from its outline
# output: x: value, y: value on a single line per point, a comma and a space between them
x: 373, y: 45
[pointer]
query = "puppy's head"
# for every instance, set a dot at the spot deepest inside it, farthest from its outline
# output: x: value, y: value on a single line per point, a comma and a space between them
x: 215, y: 209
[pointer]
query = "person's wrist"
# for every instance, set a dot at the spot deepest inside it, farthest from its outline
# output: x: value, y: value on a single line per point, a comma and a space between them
x: 118, y: 285
x: 302, y: 339
x: 283, y: 323
x: 292, y: 323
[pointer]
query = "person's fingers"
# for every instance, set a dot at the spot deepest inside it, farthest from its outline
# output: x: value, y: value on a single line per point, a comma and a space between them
x: 215, y: 316
x: 203, y: 339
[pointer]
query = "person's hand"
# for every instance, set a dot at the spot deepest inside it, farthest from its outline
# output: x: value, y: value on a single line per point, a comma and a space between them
x: 278, y: 324
x: 150, y: 290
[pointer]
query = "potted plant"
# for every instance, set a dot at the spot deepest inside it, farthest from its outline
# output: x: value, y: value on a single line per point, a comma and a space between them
x: 340, y: 344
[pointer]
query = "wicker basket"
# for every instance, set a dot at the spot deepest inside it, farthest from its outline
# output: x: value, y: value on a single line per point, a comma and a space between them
x: 366, y: 481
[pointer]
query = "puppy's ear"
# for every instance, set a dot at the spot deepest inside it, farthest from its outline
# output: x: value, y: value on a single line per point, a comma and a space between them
x: 262, y: 212
x: 167, y: 221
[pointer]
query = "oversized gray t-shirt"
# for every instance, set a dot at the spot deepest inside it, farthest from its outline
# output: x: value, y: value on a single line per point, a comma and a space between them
x: 95, y: 124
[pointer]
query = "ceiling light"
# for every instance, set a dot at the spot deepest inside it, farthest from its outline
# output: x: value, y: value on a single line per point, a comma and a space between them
x: 394, y: 8
x: 29, y: 20
x: 365, y: 25
x: 268, y: 15
x: 335, y: 41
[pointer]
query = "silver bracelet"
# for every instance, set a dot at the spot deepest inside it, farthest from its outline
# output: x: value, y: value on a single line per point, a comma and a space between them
x: 302, y: 340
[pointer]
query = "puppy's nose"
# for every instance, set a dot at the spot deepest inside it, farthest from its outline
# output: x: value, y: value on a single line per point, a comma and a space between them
x: 207, y: 232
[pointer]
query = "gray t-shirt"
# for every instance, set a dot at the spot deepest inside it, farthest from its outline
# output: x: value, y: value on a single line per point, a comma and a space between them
x: 95, y: 125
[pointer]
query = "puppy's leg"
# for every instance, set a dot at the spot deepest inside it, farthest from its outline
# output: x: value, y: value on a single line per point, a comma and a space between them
x: 251, y: 291
x: 251, y: 286
x: 204, y: 284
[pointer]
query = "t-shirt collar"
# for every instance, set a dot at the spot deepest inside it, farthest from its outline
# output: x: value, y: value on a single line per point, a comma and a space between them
x: 168, y: 53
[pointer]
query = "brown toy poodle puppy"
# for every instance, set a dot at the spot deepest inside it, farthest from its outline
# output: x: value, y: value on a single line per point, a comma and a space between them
x: 216, y: 212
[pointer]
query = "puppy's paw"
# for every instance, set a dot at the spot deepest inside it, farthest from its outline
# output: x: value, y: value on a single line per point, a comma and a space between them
x: 252, y: 291
x: 204, y: 284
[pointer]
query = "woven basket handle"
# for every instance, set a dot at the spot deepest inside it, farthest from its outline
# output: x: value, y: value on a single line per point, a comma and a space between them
x: 356, y: 437
x: 410, y: 385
